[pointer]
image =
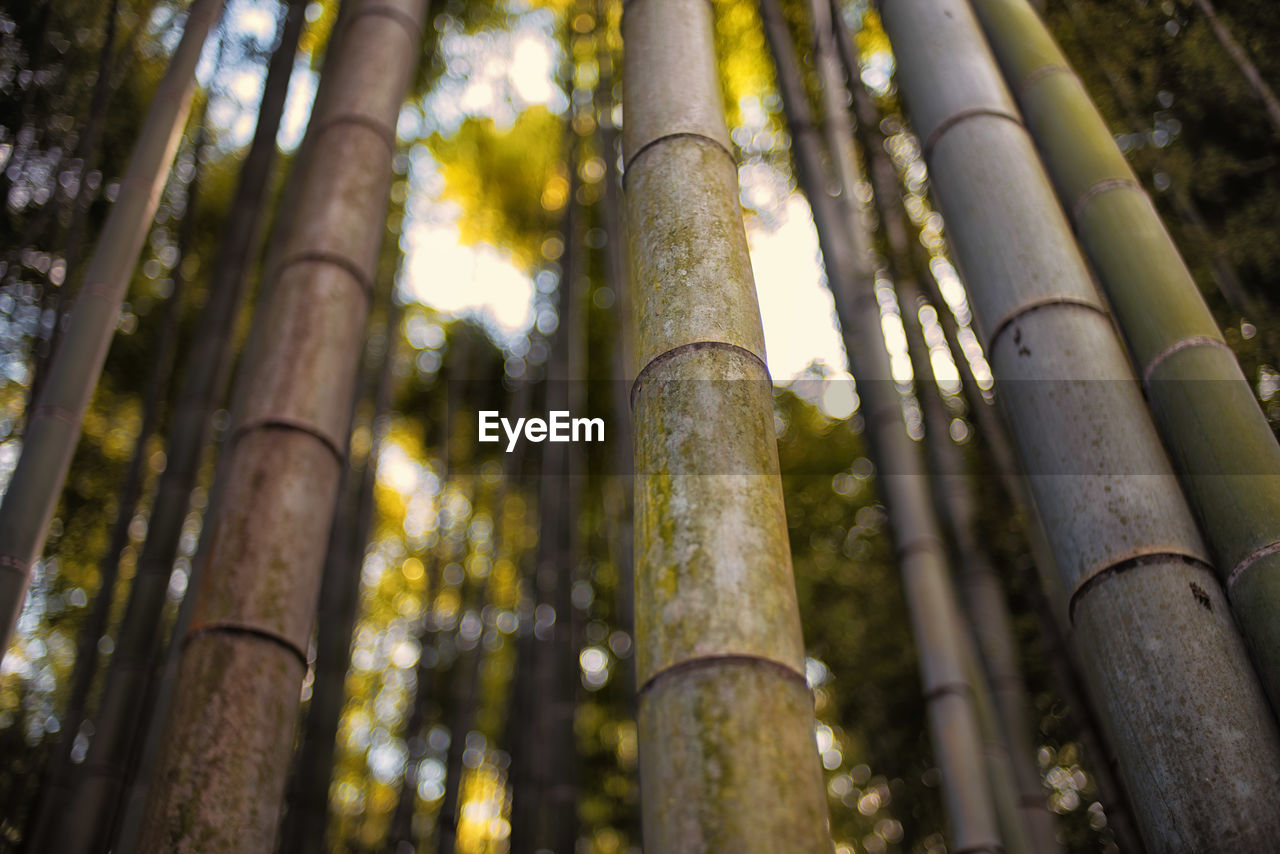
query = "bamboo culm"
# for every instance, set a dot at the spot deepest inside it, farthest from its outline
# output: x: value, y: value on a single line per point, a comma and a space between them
x: 846, y: 246
x: 129, y: 692
x: 53, y: 425
x: 245, y: 654
x: 349, y: 536
x: 1218, y: 437
x: 1125, y: 544
x: 725, y: 715
x: 57, y: 786
x: 981, y: 597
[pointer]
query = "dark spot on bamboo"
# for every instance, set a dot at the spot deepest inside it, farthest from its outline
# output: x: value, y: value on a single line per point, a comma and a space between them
x: 1201, y: 596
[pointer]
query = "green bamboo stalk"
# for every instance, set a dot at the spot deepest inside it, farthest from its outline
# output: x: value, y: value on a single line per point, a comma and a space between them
x: 1125, y: 543
x: 221, y: 775
x: 1206, y: 412
x: 845, y: 242
x: 1224, y: 274
x: 53, y: 428
x: 726, y: 719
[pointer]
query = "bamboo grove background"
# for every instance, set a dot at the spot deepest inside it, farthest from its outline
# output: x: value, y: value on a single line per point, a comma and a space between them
x: 471, y: 680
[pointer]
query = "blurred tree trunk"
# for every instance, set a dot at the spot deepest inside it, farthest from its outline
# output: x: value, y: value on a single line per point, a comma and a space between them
x: 559, y: 544
x: 618, y: 489
x: 121, y: 721
x: 725, y: 711
x: 463, y: 694
x: 901, y: 471
x: 85, y: 153
x: 60, y: 775
x: 430, y: 681
x: 245, y: 655
x: 1243, y: 62
x: 1224, y: 274
x: 1204, y: 407
x: 1126, y: 546
x: 980, y: 594
x: 53, y: 426
x: 349, y: 536
x: 522, y: 734
x: 401, y: 838
x: 465, y: 690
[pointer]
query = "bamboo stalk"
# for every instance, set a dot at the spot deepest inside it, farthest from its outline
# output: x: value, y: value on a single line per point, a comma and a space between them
x: 726, y: 720
x: 980, y: 595
x: 255, y: 171
x: 1206, y: 412
x: 902, y: 476
x: 1224, y: 274
x: 996, y: 443
x: 1125, y: 544
x: 339, y: 604
x: 221, y: 776
x: 126, y: 704
x: 96, y: 817
x: 58, y: 785
x: 1243, y: 62
x: 53, y: 427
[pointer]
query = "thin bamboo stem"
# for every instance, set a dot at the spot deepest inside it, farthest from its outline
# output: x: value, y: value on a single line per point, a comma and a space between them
x: 53, y: 427
x: 1248, y: 69
x: 845, y: 241
x: 58, y: 786
x: 983, y: 604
